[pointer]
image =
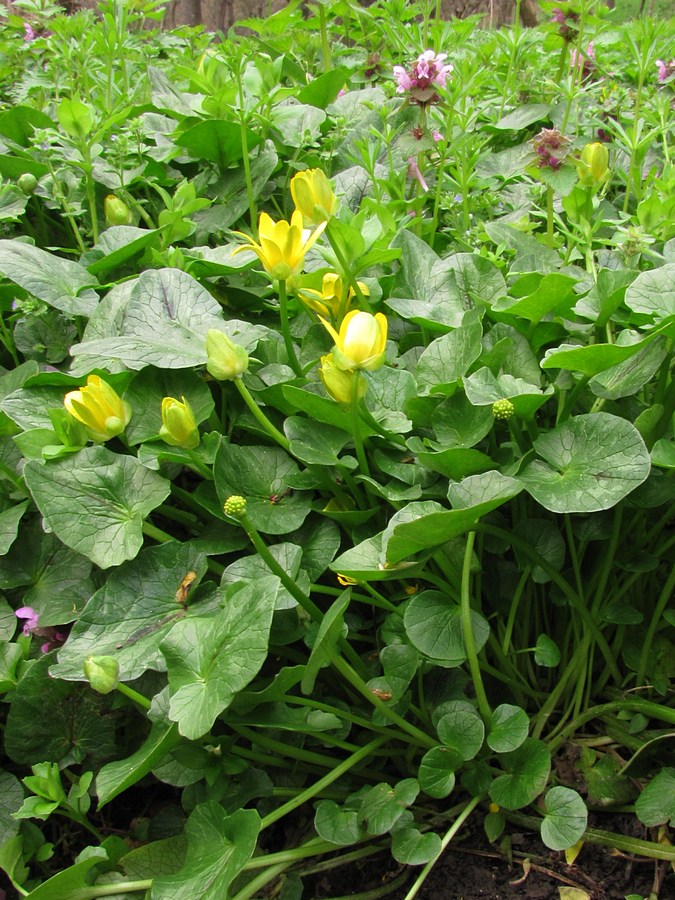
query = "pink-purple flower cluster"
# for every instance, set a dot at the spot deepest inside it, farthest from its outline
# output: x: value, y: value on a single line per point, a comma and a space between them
x: 53, y: 638
x: 421, y: 82
x: 551, y: 148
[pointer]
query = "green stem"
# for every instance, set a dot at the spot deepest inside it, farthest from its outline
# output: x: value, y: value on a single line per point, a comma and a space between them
x: 654, y: 621
x: 346, y: 269
x: 467, y: 629
x: 325, y: 46
x: 322, y: 783
x: 303, y: 600
x: 356, y: 426
x: 133, y: 695
x: 155, y: 533
x: 260, y: 416
x: 359, y: 685
x: 569, y: 593
x: 549, y: 216
x: 634, y: 846
x: 286, y: 330
x: 252, y: 210
x: 452, y: 831
x: 110, y: 890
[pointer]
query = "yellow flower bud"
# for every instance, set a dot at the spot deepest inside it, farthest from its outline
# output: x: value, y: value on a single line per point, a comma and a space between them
x: 225, y: 359
x: 594, y: 163
x: 361, y: 341
x: 282, y: 246
x: 340, y: 382
x: 179, y: 427
x: 116, y: 211
x: 313, y: 196
x: 99, y: 408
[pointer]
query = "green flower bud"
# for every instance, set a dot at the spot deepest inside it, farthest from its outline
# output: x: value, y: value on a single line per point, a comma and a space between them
x: 102, y: 673
x: 27, y: 183
x: 225, y: 359
x: 179, y: 427
x: 116, y: 211
x: 502, y: 409
x: 68, y: 430
x: 235, y: 506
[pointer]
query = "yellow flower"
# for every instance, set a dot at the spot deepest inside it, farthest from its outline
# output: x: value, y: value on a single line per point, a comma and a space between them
x: 282, y: 246
x: 331, y: 296
x: 361, y: 341
x: 340, y: 382
x: 313, y: 196
x: 179, y: 427
x: 99, y: 408
x: 225, y: 359
x: 594, y: 163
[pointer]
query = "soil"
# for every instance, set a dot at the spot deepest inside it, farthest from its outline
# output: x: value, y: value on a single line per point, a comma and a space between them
x: 474, y: 869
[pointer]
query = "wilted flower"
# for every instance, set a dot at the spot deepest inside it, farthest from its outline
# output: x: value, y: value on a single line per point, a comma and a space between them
x: 179, y: 427
x: 282, y: 246
x: 426, y: 75
x: 313, y: 196
x: 361, y: 341
x: 99, y: 408
x: 331, y: 298
x: 340, y: 383
x: 225, y: 359
x: 551, y: 148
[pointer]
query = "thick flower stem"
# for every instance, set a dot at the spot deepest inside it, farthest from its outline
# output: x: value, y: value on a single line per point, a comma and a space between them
x: 260, y: 416
x: 467, y: 629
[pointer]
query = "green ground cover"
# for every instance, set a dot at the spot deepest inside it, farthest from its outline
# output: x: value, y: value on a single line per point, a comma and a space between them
x: 336, y: 443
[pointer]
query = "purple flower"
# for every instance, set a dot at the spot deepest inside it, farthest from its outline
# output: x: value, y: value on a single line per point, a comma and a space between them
x: 584, y: 61
x: 666, y: 69
x: 421, y: 81
x: 53, y: 637
x: 414, y: 172
x: 558, y: 17
x: 437, y: 136
x: 30, y: 616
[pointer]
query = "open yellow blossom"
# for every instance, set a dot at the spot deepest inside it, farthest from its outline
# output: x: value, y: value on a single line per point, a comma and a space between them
x: 99, y: 408
x: 340, y: 383
x: 282, y: 246
x: 361, y: 341
x: 313, y: 196
x: 179, y: 427
x: 331, y: 298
